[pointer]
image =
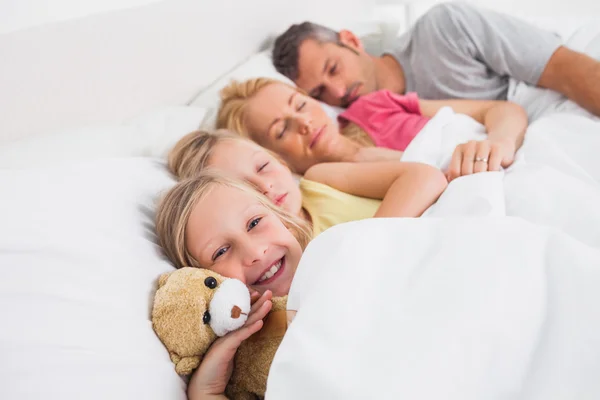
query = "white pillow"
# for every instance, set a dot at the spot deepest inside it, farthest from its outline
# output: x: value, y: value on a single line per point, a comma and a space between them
x: 538, y: 101
x: 150, y: 135
x: 257, y: 66
x: 79, y: 265
x: 586, y: 38
x: 563, y: 25
x: 260, y: 65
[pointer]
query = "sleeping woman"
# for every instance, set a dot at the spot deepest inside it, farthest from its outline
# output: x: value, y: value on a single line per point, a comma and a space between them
x: 377, y: 126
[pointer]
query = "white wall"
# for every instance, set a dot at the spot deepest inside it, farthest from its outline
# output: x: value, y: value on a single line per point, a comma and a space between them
x: 22, y: 14
x: 561, y: 16
x: 69, y: 63
x: 66, y: 63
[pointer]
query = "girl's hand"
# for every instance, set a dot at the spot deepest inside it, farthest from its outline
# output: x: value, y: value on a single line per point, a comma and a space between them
x: 210, y: 379
x: 480, y: 156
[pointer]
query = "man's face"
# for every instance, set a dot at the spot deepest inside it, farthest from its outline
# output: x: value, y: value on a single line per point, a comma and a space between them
x: 336, y: 73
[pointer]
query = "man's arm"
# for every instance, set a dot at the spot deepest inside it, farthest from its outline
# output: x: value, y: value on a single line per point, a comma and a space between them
x: 575, y: 75
x: 512, y: 47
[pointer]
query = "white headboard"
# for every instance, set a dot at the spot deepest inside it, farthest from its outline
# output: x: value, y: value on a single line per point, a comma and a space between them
x: 68, y: 63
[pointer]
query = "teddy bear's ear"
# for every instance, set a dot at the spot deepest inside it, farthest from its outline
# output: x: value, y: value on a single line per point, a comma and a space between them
x: 163, y: 279
x: 186, y: 365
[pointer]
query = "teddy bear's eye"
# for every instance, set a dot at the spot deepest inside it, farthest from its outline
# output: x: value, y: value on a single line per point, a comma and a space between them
x: 206, y: 317
x: 210, y: 282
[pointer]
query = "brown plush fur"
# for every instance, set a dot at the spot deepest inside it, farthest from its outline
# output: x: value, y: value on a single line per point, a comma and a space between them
x: 179, y: 305
x: 254, y: 357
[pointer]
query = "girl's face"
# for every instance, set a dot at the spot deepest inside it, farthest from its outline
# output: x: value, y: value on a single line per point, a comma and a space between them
x: 255, y: 165
x: 231, y: 233
x: 293, y: 125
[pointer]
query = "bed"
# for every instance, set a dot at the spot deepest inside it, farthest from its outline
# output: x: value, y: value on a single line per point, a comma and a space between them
x: 93, y: 96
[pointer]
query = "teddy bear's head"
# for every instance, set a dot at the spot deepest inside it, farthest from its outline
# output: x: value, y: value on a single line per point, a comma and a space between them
x: 192, y: 307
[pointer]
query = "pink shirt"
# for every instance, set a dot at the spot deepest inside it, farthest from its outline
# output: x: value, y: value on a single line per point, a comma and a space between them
x: 391, y: 120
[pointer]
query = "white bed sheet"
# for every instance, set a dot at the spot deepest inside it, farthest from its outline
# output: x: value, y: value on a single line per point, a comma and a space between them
x: 79, y: 263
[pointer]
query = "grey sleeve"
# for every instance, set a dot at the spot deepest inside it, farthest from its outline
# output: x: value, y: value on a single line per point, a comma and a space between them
x: 506, y: 45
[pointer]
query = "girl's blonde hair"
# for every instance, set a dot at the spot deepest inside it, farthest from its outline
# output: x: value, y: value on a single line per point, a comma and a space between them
x: 175, y: 208
x: 235, y: 96
x: 192, y: 153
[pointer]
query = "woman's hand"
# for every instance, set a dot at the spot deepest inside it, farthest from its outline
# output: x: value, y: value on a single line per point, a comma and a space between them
x: 210, y: 379
x: 480, y: 156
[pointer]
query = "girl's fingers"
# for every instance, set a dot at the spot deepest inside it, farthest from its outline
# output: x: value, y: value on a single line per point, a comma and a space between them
x: 223, y: 350
x: 260, y: 313
x: 234, y: 339
x: 254, y: 295
x: 261, y: 300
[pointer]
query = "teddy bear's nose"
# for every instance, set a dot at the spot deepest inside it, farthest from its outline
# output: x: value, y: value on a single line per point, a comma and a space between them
x: 236, y: 312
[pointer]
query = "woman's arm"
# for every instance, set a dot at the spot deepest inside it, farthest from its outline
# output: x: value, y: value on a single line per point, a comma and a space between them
x: 504, y: 121
x: 407, y: 189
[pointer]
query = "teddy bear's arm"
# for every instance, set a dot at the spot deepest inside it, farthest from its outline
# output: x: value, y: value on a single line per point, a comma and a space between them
x: 185, y: 365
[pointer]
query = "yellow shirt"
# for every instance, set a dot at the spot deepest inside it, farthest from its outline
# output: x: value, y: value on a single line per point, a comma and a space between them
x: 328, y: 207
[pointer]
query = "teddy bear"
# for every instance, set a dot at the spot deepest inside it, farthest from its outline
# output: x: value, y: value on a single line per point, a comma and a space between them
x: 194, y: 306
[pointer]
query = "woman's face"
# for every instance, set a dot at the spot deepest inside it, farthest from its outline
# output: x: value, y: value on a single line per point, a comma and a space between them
x: 293, y: 125
x: 231, y: 233
x: 251, y: 163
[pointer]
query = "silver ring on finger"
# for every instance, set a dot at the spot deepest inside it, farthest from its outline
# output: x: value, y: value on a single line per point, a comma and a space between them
x: 481, y: 159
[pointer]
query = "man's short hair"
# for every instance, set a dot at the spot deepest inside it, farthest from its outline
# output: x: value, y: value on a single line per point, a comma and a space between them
x: 285, y: 50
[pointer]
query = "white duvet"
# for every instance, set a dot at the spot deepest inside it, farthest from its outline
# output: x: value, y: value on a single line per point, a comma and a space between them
x: 494, y: 294
x: 457, y: 308
x: 546, y: 184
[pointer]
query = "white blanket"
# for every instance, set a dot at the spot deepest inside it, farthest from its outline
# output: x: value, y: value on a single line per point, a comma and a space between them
x: 554, y: 180
x: 442, y: 308
x: 493, y: 295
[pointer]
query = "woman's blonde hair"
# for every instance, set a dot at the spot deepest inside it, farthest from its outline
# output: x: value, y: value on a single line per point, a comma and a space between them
x: 235, y: 96
x: 176, y: 206
x: 192, y: 153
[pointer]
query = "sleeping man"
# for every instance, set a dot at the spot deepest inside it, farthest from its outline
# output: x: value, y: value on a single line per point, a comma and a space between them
x: 454, y: 51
